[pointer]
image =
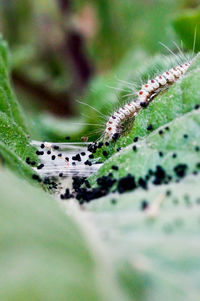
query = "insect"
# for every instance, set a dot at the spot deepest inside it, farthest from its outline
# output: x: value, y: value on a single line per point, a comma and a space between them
x: 147, y: 92
x: 76, y: 159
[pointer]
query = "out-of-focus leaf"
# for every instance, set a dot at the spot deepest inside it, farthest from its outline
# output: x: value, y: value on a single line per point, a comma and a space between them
x: 121, y: 25
x: 55, y: 129
x: 187, y: 26
x: 22, y: 55
x: 44, y: 255
x: 160, y: 242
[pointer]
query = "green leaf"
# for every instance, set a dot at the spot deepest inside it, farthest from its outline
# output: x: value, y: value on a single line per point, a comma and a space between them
x: 161, y: 243
x: 56, y: 129
x: 15, y: 147
x: 44, y: 255
x: 187, y: 27
x: 12, y: 109
x: 14, y: 137
x: 14, y: 141
x: 10, y: 159
x: 4, y: 54
x: 181, y: 137
x: 180, y: 98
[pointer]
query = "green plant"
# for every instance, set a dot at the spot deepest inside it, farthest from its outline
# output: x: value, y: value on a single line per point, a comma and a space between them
x: 142, y: 244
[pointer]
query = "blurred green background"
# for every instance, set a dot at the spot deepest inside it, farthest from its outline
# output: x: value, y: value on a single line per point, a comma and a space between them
x: 69, y: 50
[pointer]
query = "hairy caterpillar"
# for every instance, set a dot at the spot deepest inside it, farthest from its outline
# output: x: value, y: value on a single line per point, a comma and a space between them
x: 144, y: 96
x: 77, y: 164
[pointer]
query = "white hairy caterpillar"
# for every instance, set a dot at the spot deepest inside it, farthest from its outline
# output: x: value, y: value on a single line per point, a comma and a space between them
x: 71, y: 166
x: 144, y: 96
x: 113, y: 128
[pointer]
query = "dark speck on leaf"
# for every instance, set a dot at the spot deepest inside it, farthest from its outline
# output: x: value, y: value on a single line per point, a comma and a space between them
x: 114, y: 167
x: 126, y: 183
x: 77, y: 157
x: 150, y: 127
x: 160, y: 175
x: 36, y: 177
x: 142, y: 183
x: 56, y: 147
x: 88, y: 163
x: 105, y: 154
x: 198, y: 165
x: 40, y: 166
x: 168, y: 192
x: 144, y: 205
x: 39, y: 153
x: 180, y: 170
